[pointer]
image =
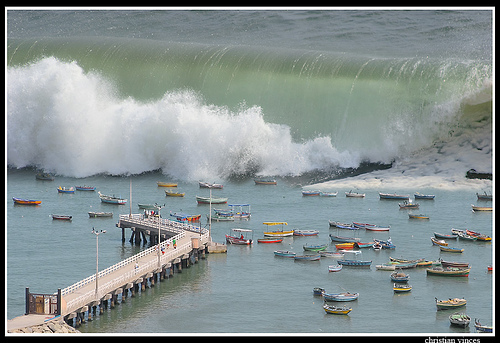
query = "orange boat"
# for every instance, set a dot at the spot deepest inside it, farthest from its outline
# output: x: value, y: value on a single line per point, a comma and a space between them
x: 26, y: 201
x: 346, y: 246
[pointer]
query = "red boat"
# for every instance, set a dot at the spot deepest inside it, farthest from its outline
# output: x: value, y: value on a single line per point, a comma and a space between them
x: 239, y: 238
x: 270, y: 240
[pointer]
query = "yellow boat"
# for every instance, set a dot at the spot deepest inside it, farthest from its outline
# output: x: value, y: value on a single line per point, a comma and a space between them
x: 170, y: 193
x: 347, y: 246
x: 336, y: 310
x: 166, y: 184
x: 401, y: 288
x: 278, y: 233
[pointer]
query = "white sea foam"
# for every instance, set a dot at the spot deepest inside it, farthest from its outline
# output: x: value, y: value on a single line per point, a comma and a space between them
x: 73, y: 123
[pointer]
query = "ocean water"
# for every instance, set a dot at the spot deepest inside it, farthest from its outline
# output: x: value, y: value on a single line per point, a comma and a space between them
x: 101, y: 97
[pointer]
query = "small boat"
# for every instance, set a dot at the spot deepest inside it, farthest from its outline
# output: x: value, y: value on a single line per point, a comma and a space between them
x: 218, y: 217
x: 305, y: 232
x: 170, y: 193
x: 44, y: 177
x: 385, y: 244
x: 182, y: 217
x: 448, y: 271
x: 239, y: 237
x: 405, y: 265
x: 270, y: 240
x: 466, y: 237
x: 314, y: 247
x: 484, y: 196
x: 490, y: 268
x: 85, y: 188
x: 148, y: 206
x: 352, y: 194
x: 482, y: 328
x: 378, y: 228
x: 361, y: 245
x: 481, y: 208
x: 210, y: 185
x: 61, y: 217
x: 454, y: 264
x: 377, y: 246
x: 208, y: 200
x: 20, y: 201
x: 61, y: 189
x: 336, y: 310
x: 362, y: 225
x: 408, y: 205
x: 417, y: 216
x: 459, y: 319
x: 328, y: 194
x: 100, y: 214
x: 343, y: 239
x: 393, y: 196
x: 284, y: 253
x: 345, y: 246
x: 483, y: 238
x: 310, y: 193
x: 318, y: 291
x: 346, y: 296
x: 240, y: 211
x: 400, y: 277
x: 474, y: 174
x: 340, y: 225
x: 450, y: 303
x: 385, y: 267
x: 401, y: 288
x: 457, y: 231
x: 316, y: 257
x: 444, y: 236
x: 417, y: 195
x: 451, y: 249
x: 335, y: 268
x: 278, y: 233
x: 356, y: 263
x: 479, y: 236
x: 166, y: 184
x: 440, y: 242
x: 333, y: 254
x: 265, y: 181
x: 111, y: 199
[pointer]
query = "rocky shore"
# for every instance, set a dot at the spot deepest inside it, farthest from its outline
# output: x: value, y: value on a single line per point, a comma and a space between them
x: 49, y: 327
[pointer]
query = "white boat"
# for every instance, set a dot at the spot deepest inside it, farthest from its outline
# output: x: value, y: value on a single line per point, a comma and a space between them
x: 335, y: 268
x: 277, y: 233
x: 112, y: 199
x: 352, y: 194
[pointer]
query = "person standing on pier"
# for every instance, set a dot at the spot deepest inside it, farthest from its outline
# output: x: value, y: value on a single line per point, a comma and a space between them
x: 174, y: 243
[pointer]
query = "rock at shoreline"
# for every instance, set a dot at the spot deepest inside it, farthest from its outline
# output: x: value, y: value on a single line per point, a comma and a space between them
x: 50, y: 327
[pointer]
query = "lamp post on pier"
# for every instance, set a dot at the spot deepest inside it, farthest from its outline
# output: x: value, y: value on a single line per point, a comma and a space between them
x: 97, y: 233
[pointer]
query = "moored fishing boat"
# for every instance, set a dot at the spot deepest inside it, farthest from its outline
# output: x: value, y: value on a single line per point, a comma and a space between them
x: 166, y: 184
x: 385, y: 244
x: 111, y: 199
x: 335, y: 268
x: 265, y: 181
x: 328, y: 194
x: 208, y: 200
x: 481, y: 208
x: 85, y: 188
x: 61, y: 189
x: 450, y: 303
x: 239, y: 237
x: 393, y: 196
x: 377, y: 228
x: 444, y: 236
x: 44, y: 177
x: 61, y: 217
x: 451, y: 249
x: 20, y: 201
x: 400, y: 277
x: 440, y: 242
x: 284, y: 253
x: 361, y: 245
x: 345, y: 296
x: 417, y: 216
x: 305, y: 232
x: 482, y: 328
x: 448, y: 271
x: 100, y: 214
x: 385, y: 267
x: 333, y: 254
x: 352, y: 194
x: 454, y: 264
x: 170, y: 193
x: 340, y: 225
x: 479, y: 236
x: 277, y: 233
x: 345, y: 246
x: 314, y: 247
x: 408, y: 205
x: 311, y: 193
x: 459, y: 319
x: 465, y: 236
x: 318, y: 291
x: 484, y: 196
x: 355, y: 263
x: 270, y: 240
x: 417, y: 195
x: 336, y: 310
x: 147, y: 206
x: 341, y: 239
x: 401, y: 288
x: 315, y: 257
x: 240, y: 211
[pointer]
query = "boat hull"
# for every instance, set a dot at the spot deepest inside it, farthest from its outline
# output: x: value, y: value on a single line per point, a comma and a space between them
x: 26, y: 201
x: 340, y: 296
x: 450, y: 272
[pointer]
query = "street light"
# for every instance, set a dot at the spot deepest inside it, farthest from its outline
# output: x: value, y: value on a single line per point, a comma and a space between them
x: 97, y: 233
x: 159, y: 207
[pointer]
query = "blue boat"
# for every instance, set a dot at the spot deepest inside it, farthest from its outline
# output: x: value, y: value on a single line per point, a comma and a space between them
x: 340, y: 225
x: 393, y: 196
x: 385, y: 244
x: 417, y: 195
x: 284, y: 253
x: 400, y: 277
x: 354, y: 263
x: 343, y: 239
x: 307, y: 257
x: 346, y: 296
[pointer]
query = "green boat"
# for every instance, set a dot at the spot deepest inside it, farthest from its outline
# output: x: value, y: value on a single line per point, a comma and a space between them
x: 449, y: 271
x: 315, y: 247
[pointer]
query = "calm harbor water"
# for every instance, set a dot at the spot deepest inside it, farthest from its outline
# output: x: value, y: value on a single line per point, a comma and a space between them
x: 249, y: 289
